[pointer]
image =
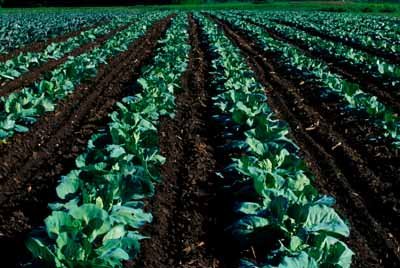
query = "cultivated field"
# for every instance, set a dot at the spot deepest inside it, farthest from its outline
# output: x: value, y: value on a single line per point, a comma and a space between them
x: 254, y: 139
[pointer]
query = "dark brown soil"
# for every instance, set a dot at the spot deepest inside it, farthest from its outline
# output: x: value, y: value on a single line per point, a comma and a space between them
x: 31, y: 163
x: 377, y: 86
x: 35, y: 74
x: 348, y: 155
x: 339, y: 149
x: 39, y: 46
x: 181, y: 206
x: 390, y: 57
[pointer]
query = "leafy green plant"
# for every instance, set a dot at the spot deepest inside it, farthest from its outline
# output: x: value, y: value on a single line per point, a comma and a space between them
x: 96, y: 223
x: 277, y: 206
x: 18, y: 29
x: 295, y: 60
x: 22, y: 63
x: 369, y: 32
x: 21, y: 109
x: 372, y: 65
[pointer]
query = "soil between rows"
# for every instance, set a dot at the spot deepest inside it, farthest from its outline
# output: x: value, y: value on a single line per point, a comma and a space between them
x: 376, y: 86
x: 184, y: 220
x: 39, y: 46
x: 179, y: 235
x: 34, y: 161
x: 374, y: 244
x: 393, y: 58
x: 379, y: 153
x: 37, y: 73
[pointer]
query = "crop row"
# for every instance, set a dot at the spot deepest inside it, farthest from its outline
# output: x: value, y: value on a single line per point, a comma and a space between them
x: 375, y: 33
x: 21, y: 109
x: 20, y: 29
x: 370, y: 64
x: 277, y: 209
x: 297, y: 61
x: 277, y: 217
x: 15, y: 67
x: 97, y: 222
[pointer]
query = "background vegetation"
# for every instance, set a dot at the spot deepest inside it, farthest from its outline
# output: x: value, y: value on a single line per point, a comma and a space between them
x: 387, y: 7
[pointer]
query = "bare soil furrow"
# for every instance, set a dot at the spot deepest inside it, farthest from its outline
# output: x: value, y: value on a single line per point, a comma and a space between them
x: 367, y: 141
x: 39, y: 46
x: 180, y: 232
x: 37, y: 73
x: 340, y: 170
x: 35, y: 161
x: 370, y: 84
x: 393, y: 58
x: 381, y: 157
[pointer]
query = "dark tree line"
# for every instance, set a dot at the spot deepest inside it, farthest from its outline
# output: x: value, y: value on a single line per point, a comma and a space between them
x: 35, y: 3
x: 29, y: 3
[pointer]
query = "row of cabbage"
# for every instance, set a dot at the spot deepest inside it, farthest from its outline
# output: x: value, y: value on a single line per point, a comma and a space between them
x: 19, y: 110
x: 277, y: 207
x: 98, y: 218
x: 19, y: 29
x: 15, y: 67
x: 371, y: 65
x: 297, y: 61
x: 377, y: 33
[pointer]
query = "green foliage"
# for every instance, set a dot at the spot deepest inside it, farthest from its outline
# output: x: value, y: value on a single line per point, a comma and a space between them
x: 287, y: 211
x: 297, y: 61
x: 100, y: 212
x: 15, y: 67
x: 22, y: 108
x: 20, y: 27
x: 384, y: 40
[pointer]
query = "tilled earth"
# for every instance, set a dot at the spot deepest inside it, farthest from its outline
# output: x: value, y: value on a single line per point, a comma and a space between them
x: 340, y: 147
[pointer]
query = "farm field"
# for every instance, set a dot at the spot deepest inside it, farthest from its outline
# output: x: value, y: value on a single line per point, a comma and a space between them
x: 214, y: 138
